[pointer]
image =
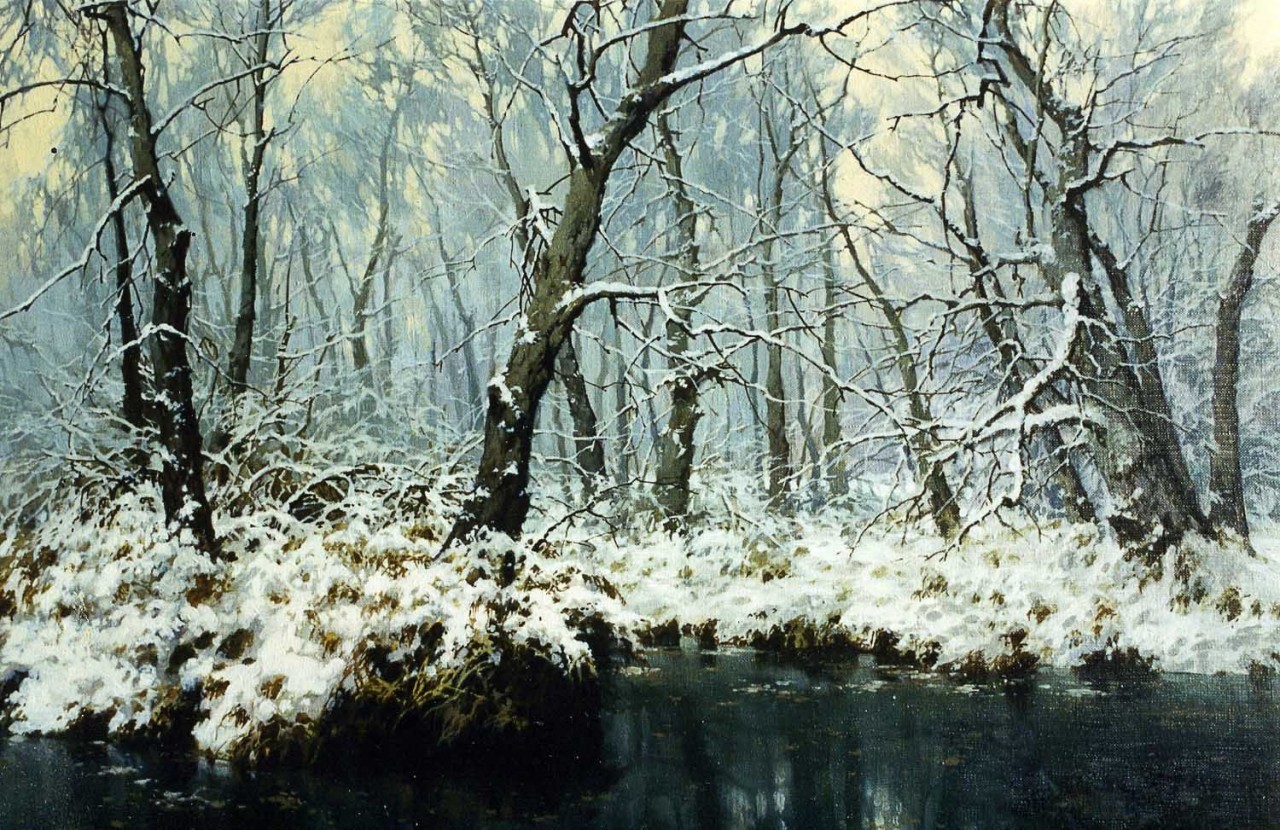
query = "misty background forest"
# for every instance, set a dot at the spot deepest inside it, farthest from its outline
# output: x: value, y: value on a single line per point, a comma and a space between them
x: 376, y: 365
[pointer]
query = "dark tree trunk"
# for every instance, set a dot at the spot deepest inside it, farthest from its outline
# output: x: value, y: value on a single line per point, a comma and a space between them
x: 181, y: 479
x: 588, y: 456
x: 1138, y: 453
x: 246, y: 312
x: 778, y: 463
x: 133, y: 404
x: 1226, y: 483
x: 588, y: 443
x: 500, y: 499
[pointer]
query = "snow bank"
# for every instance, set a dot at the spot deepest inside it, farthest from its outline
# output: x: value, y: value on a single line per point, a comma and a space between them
x: 112, y: 622
x: 1070, y: 590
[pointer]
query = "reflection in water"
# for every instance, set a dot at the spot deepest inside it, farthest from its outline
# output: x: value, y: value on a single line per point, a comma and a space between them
x: 739, y: 741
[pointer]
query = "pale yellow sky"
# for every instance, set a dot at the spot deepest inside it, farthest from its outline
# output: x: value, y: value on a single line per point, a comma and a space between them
x: 26, y: 153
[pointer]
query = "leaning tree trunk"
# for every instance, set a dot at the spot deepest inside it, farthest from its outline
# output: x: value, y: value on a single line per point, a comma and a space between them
x: 934, y: 486
x: 181, y: 478
x: 943, y: 507
x: 500, y: 499
x: 1136, y: 449
x: 246, y: 312
x: 1226, y: 483
x: 589, y: 458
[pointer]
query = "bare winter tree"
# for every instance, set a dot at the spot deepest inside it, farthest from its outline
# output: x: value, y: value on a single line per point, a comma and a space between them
x: 1226, y: 484
x: 182, y: 476
x: 1138, y: 450
x: 500, y: 499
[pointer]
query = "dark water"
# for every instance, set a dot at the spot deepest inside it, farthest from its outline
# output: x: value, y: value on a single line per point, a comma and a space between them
x: 737, y: 741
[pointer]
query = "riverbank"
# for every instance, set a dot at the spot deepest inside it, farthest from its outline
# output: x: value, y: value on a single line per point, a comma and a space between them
x: 322, y: 636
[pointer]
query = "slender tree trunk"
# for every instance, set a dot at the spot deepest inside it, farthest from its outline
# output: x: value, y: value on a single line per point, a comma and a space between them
x: 380, y: 250
x: 943, y: 506
x: 778, y: 460
x: 1226, y: 483
x: 133, y: 404
x: 775, y: 402
x: 500, y: 499
x: 676, y: 446
x: 475, y: 394
x: 835, y: 470
x: 246, y: 311
x: 181, y: 479
x: 588, y: 456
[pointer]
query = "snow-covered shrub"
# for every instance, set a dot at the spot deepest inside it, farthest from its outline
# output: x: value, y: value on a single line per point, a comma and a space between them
x: 115, y: 625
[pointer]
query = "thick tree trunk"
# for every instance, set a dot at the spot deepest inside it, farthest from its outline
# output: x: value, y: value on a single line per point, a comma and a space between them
x: 1154, y: 502
x: 181, y: 479
x: 1003, y: 335
x: 1226, y: 482
x: 500, y: 499
x: 246, y: 311
x: 588, y: 443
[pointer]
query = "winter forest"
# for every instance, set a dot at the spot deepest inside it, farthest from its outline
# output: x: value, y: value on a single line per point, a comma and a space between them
x: 378, y: 370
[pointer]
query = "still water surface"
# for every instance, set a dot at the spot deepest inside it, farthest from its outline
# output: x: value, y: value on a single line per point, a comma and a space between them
x: 742, y: 741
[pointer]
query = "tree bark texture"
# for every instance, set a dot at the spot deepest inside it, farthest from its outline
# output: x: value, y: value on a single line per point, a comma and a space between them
x: 182, y: 476
x: 251, y: 246
x: 1226, y: 483
x: 500, y: 499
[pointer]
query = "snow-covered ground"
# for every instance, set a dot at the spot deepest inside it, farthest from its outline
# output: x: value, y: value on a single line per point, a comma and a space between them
x: 1071, y: 591
x: 112, y: 617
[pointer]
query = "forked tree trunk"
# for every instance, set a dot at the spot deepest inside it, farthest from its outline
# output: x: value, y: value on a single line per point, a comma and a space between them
x: 181, y: 478
x: 1226, y: 483
x: 1137, y: 451
x: 588, y: 443
x: 500, y: 499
